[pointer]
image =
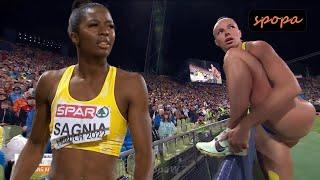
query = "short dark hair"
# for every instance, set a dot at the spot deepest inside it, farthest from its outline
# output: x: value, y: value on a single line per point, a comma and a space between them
x: 79, y: 7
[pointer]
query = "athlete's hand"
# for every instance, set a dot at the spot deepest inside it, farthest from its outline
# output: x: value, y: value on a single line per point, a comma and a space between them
x: 238, y: 138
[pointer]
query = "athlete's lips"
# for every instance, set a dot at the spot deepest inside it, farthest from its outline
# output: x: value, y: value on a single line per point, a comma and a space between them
x: 107, y: 40
x: 103, y: 44
x: 228, y: 40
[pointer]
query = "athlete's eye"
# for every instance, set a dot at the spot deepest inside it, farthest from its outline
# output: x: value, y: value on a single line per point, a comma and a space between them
x: 93, y: 24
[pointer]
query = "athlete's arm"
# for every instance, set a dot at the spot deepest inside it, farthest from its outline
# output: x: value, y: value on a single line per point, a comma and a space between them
x: 140, y: 128
x: 33, y: 151
x: 285, y: 86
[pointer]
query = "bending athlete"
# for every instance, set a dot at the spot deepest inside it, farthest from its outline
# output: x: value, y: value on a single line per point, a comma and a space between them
x: 258, y: 78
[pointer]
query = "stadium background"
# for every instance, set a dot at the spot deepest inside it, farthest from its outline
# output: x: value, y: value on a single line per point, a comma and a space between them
x: 155, y: 38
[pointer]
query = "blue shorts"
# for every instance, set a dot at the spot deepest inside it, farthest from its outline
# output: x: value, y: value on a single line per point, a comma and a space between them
x: 268, y: 130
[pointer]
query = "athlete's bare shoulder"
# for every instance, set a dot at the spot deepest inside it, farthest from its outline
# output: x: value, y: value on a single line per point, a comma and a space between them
x: 133, y: 82
x: 257, y: 43
x: 259, y: 48
x: 52, y: 75
x: 48, y: 83
x: 129, y: 77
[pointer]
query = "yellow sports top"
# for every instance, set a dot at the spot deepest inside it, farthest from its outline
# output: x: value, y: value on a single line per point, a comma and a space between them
x: 95, y: 125
x: 243, y: 45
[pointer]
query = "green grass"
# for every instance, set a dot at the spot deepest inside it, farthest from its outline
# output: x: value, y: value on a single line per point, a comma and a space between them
x: 306, y: 155
x: 316, y: 126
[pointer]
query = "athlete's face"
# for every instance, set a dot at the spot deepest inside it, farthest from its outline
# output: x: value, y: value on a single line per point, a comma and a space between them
x: 226, y: 34
x: 96, y: 32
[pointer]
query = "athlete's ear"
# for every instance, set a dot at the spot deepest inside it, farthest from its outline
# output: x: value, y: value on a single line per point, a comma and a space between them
x: 216, y: 42
x: 74, y: 38
x: 240, y: 34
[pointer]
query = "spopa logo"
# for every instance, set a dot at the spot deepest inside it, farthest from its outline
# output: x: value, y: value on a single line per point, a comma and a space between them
x: 277, y: 20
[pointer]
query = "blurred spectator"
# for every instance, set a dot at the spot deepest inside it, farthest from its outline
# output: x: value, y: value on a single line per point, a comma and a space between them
x: 16, y: 94
x: 15, y: 146
x: 172, y: 118
x: 158, y: 118
x: 7, y: 116
x: 30, y: 114
x: 21, y: 104
x: 152, y: 111
x: 3, y: 95
x: 155, y: 134
x: 193, y: 115
x: 166, y: 128
x: 127, y: 143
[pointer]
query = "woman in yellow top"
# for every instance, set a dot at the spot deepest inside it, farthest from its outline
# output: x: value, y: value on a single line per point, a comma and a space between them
x: 85, y: 109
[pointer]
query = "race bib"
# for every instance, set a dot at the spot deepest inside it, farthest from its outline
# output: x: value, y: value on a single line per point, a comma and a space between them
x: 75, y: 124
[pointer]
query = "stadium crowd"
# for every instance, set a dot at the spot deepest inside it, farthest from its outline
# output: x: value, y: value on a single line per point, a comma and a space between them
x: 311, y: 86
x: 19, y: 71
x: 169, y: 101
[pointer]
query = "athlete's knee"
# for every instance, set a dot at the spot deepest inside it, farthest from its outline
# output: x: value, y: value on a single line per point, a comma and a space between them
x: 233, y: 53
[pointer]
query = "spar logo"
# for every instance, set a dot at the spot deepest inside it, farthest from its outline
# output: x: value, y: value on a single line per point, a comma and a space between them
x: 76, y: 111
x: 103, y: 112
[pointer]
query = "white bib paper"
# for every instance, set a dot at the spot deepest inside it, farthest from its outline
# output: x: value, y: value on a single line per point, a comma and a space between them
x: 75, y: 124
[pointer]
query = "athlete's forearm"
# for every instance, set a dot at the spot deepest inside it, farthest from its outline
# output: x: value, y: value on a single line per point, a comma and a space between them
x: 143, y: 166
x: 28, y: 161
x: 278, y: 99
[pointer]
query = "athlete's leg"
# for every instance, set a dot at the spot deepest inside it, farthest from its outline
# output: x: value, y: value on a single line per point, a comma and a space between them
x: 276, y: 156
x: 239, y: 95
x: 239, y: 82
